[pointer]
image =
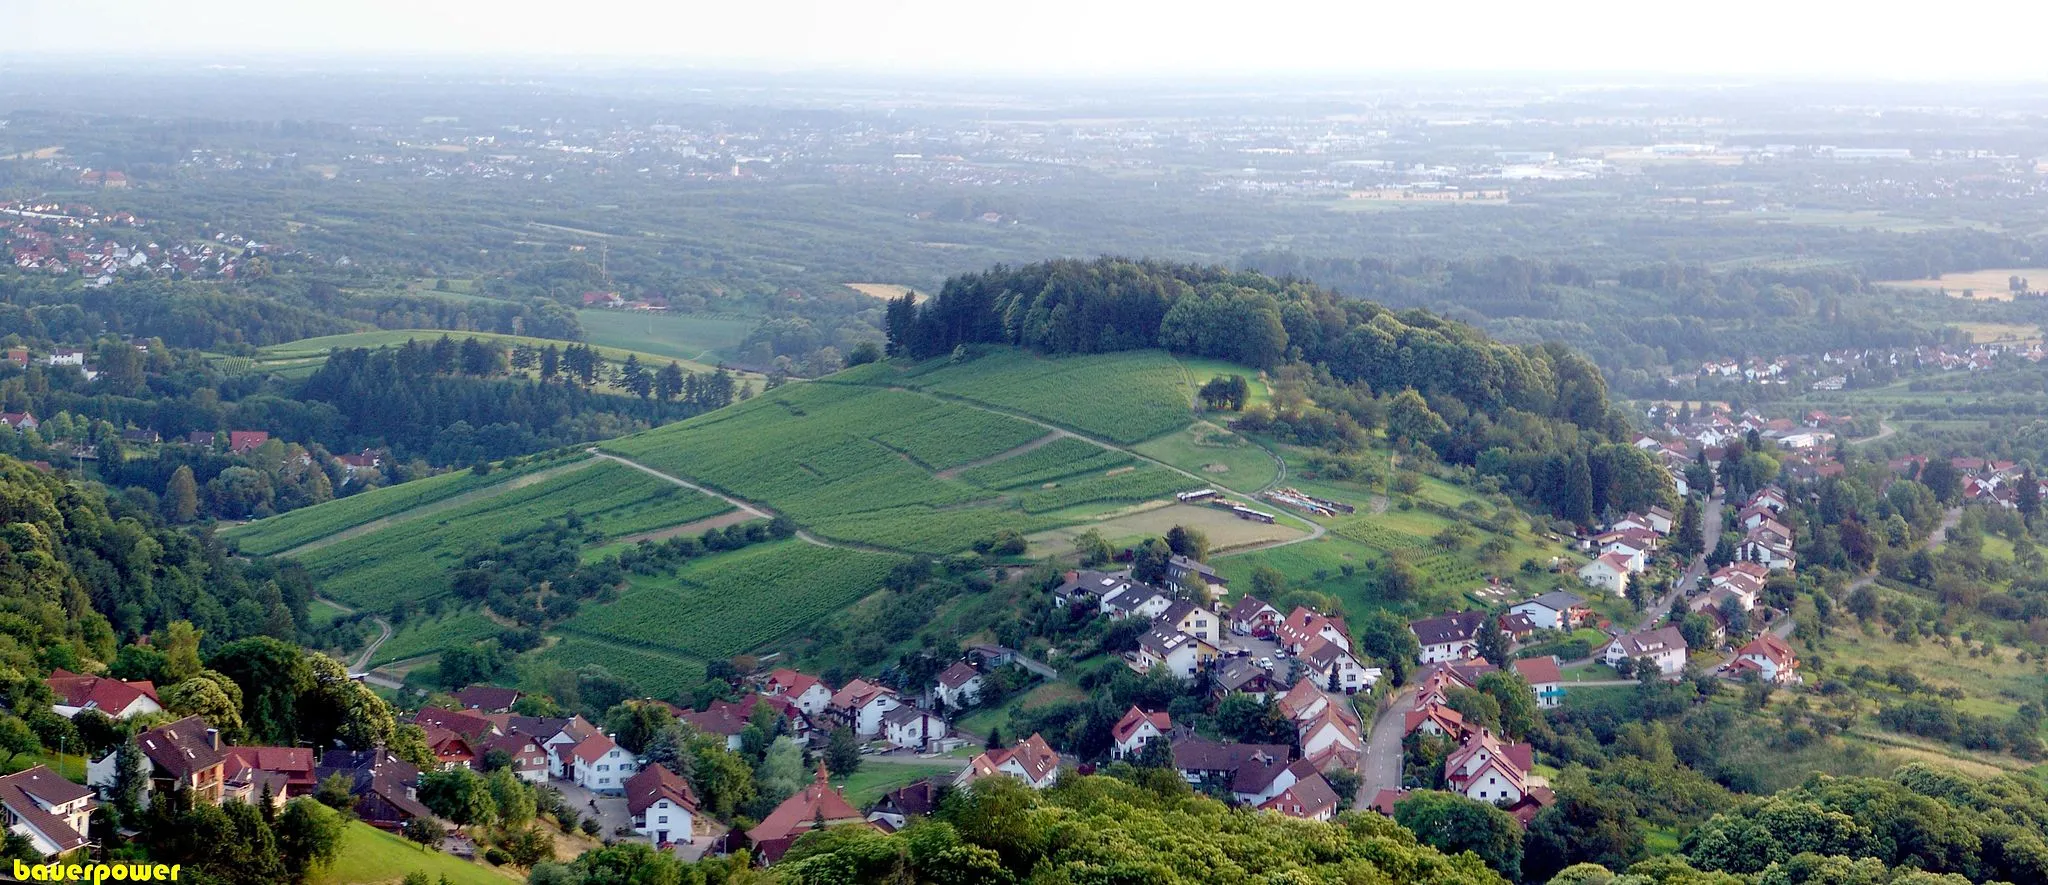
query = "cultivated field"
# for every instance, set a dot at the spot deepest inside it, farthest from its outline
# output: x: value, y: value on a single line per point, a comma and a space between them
x: 288, y: 530
x: 872, y: 465
x: 2001, y: 333
x: 886, y: 291
x: 1124, y: 397
x: 689, y: 337
x: 409, y: 560
x: 724, y: 605
x: 1985, y: 285
x: 305, y: 355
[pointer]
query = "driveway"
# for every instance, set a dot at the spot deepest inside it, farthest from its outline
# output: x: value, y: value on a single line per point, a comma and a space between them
x: 610, y: 811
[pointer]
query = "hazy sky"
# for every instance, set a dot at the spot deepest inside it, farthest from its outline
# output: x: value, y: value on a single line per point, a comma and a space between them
x: 1884, y: 39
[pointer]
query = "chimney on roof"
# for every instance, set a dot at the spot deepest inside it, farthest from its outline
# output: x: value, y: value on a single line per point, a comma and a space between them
x: 213, y: 737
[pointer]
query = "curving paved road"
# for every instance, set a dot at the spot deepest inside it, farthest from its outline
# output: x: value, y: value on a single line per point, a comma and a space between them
x: 362, y: 661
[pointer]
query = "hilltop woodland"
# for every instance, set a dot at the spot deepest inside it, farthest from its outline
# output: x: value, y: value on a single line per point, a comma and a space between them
x: 1535, y: 417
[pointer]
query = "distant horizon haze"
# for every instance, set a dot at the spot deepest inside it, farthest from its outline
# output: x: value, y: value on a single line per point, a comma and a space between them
x: 1062, y: 40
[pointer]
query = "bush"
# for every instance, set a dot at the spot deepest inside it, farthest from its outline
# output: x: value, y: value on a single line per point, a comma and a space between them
x: 496, y: 856
x: 591, y: 827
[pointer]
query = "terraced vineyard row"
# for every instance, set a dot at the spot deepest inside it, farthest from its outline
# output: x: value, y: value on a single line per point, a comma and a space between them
x: 409, y: 560
x: 1058, y: 459
x: 287, y: 530
x: 732, y: 603
x: 1126, y: 397
x: 1141, y: 484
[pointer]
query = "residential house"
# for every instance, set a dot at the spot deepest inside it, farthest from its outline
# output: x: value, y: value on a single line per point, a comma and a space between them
x: 1609, y: 572
x: 1182, y: 575
x: 601, y: 765
x: 662, y: 804
x: 1186, y: 617
x: 1245, y: 676
x: 810, y: 695
x: 1223, y: 765
x: 1305, y: 624
x: 20, y: 421
x: 488, y: 698
x: 1327, y: 729
x: 1770, y: 657
x: 54, y: 814
x: 293, y: 767
x: 1435, y: 719
x: 1663, y: 648
x: 183, y: 755
x: 1031, y: 762
x: 896, y: 807
x: 1309, y: 797
x: 529, y: 758
x: 385, y: 787
x: 246, y: 783
x: 959, y: 685
x: 1768, y: 550
x: 1251, y: 616
x: 815, y: 806
x: 1136, y: 600
x: 112, y: 697
x: 1556, y: 610
x: 242, y: 442
x: 1489, y: 771
x: 722, y: 719
x: 1545, y: 678
x: 15, y: 356
x: 1449, y: 637
x: 913, y: 729
x: 452, y: 750
x: 1088, y: 587
x: 471, y: 725
x: 203, y: 439
x: 1138, y: 727
x: 860, y: 706
x: 556, y: 735
x: 1333, y: 666
x: 65, y: 356
x: 1180, y: 654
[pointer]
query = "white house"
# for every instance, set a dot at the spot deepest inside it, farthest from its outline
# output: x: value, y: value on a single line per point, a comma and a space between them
x: 1181, y: 654
x: 1770, y: 657
x: 602, y: 766
x: 113, y: 697
x: 913, y: 729
x: 1136, y: 600
x: 1452, y: 637
x: 663, y: 806
x: 1545, y: 678
x: 1609, y: 572
x: 1488, y: 771
x: 1662, y: 647
x: 1187, y: 617
x: 1333, y: 666
x: 808, y: 693
x: 1556, y: 610
x: 958, y: 686
x: 860, y: 706
x: 1136, y: 729
x: 1030, y: 762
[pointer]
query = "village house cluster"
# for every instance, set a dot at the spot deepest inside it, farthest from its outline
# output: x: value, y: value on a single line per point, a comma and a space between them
x: 43, y: 236
x: 1805, y: 448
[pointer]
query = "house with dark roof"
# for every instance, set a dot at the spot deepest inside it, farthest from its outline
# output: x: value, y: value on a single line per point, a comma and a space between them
x: 1250, y: 773
x: 556, y: 735
x: 488, y: 698
x: 529, y: 758
x: 385, y: 787
x: 112, y: 697
x: 959, y: 685
x: 1252, y: 616
x: 663, y: 806
x: 724, y: 719
x: 1556, y: 610
x: 1245, y: 676
x: 895, y: 809
x: 1186, y: 617
x: 1448, y: 637
x: 1663, y: 648
x: 184, y: 755
x: 54, y: 814
x: 1182, y: 574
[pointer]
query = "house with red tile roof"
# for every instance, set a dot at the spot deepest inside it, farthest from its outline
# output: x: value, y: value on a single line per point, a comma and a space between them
x: 1770, y: 658
x: 487, y: 698
x: 1031, y: 762
x: 242, y: 442
x: 1545, y: 678
x: 292, y: 765
x: 112, y: 697
x: 860, y: 705
x: 663, y: 806
x: 601, y: 765
x: 800, y: 814
x: 451, y: 749
x: 529, y: 758
x: 472, y: 725
x: 1131, y: 733
x: 809, y: 694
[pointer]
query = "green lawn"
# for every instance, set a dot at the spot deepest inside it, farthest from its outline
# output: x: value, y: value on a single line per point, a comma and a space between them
x: 1126, y: 397
x: 1209, y: 450
x: 875, y: 778
x: 370, y: 856
x: 702, y: 339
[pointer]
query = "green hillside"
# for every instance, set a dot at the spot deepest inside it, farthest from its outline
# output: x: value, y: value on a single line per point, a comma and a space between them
x: 300, y: 358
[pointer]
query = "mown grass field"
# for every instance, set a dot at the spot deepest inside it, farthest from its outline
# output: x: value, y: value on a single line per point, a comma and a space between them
x: 1209, y: 450
x: 872, y: 465
x: 409, y: 560
x: 429, y: 634
x: 287, y: 530
x: 370, y: 856
x: 734, y: 602
x: 691, y: 337
x: 876, y: 778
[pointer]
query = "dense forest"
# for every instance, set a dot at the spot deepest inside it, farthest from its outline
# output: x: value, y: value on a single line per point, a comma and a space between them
x: 1538, y: 417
